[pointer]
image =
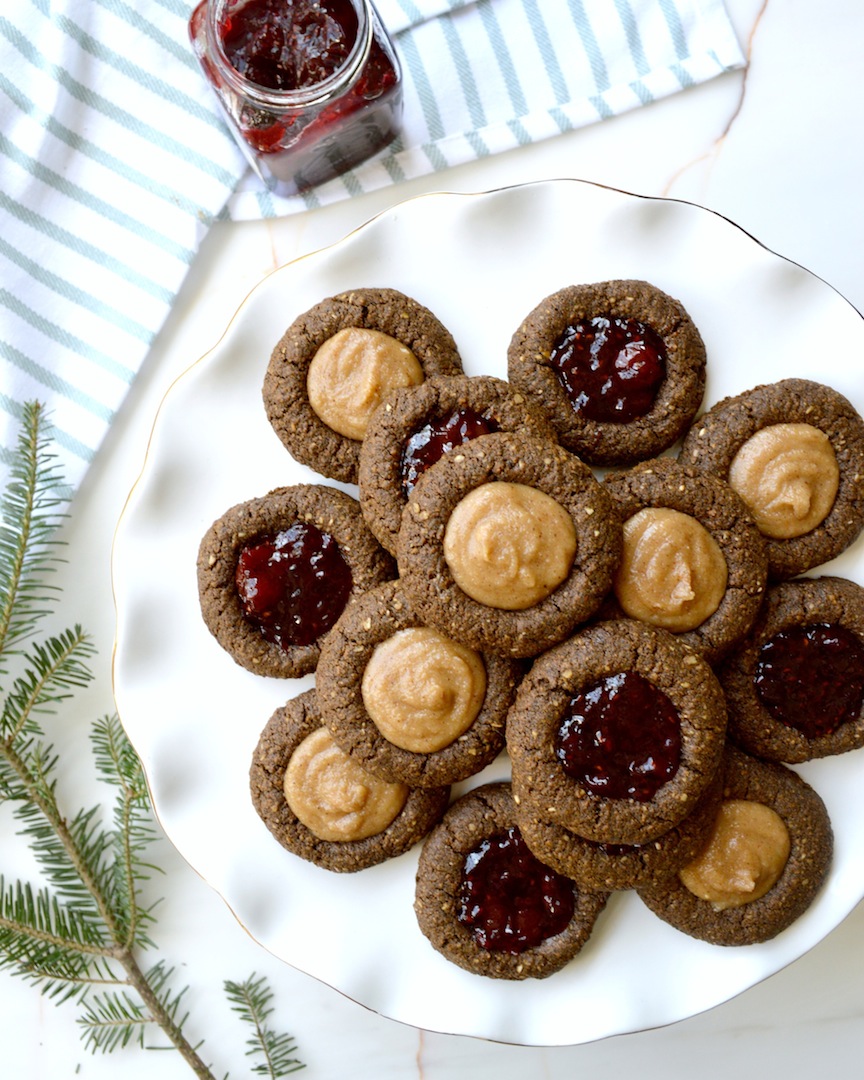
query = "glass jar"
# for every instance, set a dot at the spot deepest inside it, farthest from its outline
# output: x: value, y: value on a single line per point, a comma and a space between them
x: 330, y: 99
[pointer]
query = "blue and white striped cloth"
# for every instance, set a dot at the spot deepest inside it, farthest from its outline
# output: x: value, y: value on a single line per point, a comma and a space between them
x: 114, y: 159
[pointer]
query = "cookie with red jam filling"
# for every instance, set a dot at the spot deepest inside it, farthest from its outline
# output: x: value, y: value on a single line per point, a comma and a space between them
x: 275, y: 573
x: 616, y: 733
x: 487, y: 904
x: 417, y: 425
x: 323, y: 807
x: 617, y: 366
x: 764, y: 863
x: 795, y: 685
x: 337, y: 361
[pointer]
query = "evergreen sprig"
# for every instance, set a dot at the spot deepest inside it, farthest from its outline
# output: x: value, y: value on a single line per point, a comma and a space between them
x: 252, y: 1000
x: 79, y: 936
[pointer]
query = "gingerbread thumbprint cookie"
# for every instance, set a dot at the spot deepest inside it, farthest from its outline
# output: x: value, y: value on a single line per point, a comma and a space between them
x: 507, y: 544
x: 794, y: 452
x: 417, y: 425
x: 407, y: 702
x: 795, y: 685
x: 490, y: 906
x: 616, y: 733
x: 335, y: 364
x: 275, y: 573
x: 322, y: 806
x: 618, y: 367
x: 763, y: 864
x: 694, y: 562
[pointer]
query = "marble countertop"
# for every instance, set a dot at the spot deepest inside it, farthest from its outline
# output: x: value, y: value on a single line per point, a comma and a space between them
x: 777, y: 149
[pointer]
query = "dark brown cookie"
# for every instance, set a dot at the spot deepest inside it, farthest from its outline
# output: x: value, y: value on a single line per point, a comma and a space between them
x: 286, y: 400
x: 583, y: 754
x: 537, y: 464
x: 609, y: 867
x: 377, y: 618
x: 416, y: 425
x: 315, y: 538
x: 795, y: 685
x: 806, y: 820
x: 455, y: 925
x: 562, y: 321
x: 284, y: 732
x: 663, y: 483
x: 715, y: 439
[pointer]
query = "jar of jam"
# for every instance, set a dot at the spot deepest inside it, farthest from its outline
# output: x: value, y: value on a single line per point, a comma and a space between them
x: 310, y: 88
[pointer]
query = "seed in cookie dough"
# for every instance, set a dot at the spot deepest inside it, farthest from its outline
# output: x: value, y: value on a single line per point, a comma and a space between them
x: 745, y: 855
x: 293, y: 585
x: 509, y: 545
x: 352, y: 372
x: 811, y: 677
x: 334, y: 797
x: 422, y: 689
x: 673, y: 573
x: 788, y: 476
x: 437, y: 437
x: 610, y: 367
x: 620, y: 738
x: 508, y: 899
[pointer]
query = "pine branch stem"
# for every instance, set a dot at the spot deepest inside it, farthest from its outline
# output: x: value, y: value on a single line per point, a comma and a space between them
x: 138, y: 981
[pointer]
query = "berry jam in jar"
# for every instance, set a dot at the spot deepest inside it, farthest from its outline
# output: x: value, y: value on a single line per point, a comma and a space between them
x: 310, y: 88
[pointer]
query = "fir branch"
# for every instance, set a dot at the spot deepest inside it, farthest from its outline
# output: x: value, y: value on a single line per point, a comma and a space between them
x: 77, y: 939
x: 29, y: 516
x: 55, y: 668
x: 252, y: 1001
x: 134, y: 829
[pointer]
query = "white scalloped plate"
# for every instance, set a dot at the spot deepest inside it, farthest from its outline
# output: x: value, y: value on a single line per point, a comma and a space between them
x: 480, y: 262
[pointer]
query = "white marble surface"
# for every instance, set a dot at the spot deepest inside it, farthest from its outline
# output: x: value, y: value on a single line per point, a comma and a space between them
x: 779, y: 150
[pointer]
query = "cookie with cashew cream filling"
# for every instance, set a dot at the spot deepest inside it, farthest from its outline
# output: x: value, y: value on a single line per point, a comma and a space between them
x: 322, y: 806
x: 507, y: 544
x: 795, y: 685
x: 618, y: 367
x: 794, y: 452
x: 405, y: 701
x: 694, y: 561
x: 337, y: 361
x: 766, y: 860
x: 616, y: 733
x: 487, y: 904
x: 417, y: 425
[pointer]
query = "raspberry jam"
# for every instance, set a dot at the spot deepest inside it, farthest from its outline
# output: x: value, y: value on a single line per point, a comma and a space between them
x: 508, y: 899
x: 311, y: 88
x: 811, y: 678
x: 438, y: 437
x: 621, y: 738
x: 293, y: 585
x: 610, y: 368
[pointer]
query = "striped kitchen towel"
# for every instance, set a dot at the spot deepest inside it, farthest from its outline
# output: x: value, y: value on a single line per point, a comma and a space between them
x: 114, y: 158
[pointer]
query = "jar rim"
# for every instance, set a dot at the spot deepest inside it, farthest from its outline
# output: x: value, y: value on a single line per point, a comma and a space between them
x: 307, y: 95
